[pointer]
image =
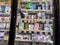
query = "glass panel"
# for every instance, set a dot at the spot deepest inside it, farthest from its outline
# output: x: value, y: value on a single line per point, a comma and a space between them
x: 5, y: 16
x: 34, y: 22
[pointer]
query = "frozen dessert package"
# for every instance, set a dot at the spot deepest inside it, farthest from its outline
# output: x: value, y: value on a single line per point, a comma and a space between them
x: 2, y: 34
x: 4, y: 25
x: 48, y: 37
x: 21, y: 26
x: 7, y: 25
x: 31, y: 27
x: 36, y: 26
x: 19, y: 36
x: 34, y: 37
x: 46, y: 27
x: 26, y: 37
x: 41, y: 37
x: 3, y: 8
x: 8, y: 10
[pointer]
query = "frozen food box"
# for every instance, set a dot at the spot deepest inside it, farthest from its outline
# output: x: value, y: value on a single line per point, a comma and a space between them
x: 48, y: 38
x: 21, y: 26
x: 19, y: 36
x: 36, y: 26
x: 2, y: 34
x: 3, y: 8
x: 4, y: 25
x: 26, y: 37
x: 8, y: 10
x: 31, y: 27
x: 34, y: 37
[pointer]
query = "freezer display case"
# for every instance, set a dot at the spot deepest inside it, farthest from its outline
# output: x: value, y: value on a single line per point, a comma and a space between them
x: 35, y: 22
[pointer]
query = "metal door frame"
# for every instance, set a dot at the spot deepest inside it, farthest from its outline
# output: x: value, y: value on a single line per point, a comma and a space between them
x: 14, y: 5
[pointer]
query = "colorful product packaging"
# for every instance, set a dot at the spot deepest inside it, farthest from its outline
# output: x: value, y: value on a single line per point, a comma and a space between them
x: 41, y: 37
x: 47, y: 5
x: 26, y: 25
x: 8, y: 10
x: 34, y: 37
x: 43, y: 15
x: 33, y: 6
x: 26, y: 37
x: 39, y: 15
x: 19, y: 36
x: 26, y: 14
x: 41, y: 26
x: 3, y: 8
x: 36, y: 26
x: 21, y: 26
x: 31, y: 26
x: 48, y: 38
x: 33, y: 16
x: 43, y: 6
x: 7, y: 25
x: 46, y: 27
x: 1, y: 34
x: 29, y: 16
x: 51, y: 27
x: 28, y: 5
x: 2, y: 25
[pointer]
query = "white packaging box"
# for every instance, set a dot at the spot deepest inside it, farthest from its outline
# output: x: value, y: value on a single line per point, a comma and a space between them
x: 2, y: 25
x: 7, y: 9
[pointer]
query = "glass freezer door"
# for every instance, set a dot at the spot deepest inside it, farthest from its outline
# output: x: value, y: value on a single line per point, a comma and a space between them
x: 34, y: 22
x: 5, y: 16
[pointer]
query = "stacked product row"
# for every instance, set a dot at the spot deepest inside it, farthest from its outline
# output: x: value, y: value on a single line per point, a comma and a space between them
x: 35, y: 37
x: 40, y: 6
x: 39, y: 15
x: 34, y: 26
